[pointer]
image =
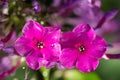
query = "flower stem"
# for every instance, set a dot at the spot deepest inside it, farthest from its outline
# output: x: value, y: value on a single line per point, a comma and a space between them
x: 26, y: 73
x: 45, y: 73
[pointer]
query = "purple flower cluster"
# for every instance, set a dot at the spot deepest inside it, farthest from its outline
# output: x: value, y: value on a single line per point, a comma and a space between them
x: 7, y: 55
x: 45, y: 46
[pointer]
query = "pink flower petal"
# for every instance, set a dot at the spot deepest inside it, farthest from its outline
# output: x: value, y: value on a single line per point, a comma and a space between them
x: 86, y: 64
x: 85, y: 28
x: 83, y: 39
x: 53, y: 34
x: 68, y: 40
x: 98, y: 47
x: 22, y: 46
x: 32, y: 29
x: 34, y: 60
x: 68, y: 58
x: 48, y: 64
x: 51, y: 52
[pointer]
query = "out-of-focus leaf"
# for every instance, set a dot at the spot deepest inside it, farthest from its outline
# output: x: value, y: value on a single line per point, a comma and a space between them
x: 15, y: 19
x: 45, y: 72
x: 109, y: 69
x: 74, y: 74
x: 77, y: 75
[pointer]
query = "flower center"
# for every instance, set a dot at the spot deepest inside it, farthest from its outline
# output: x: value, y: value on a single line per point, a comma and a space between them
x: 40, y: 45
x: 82, y: 48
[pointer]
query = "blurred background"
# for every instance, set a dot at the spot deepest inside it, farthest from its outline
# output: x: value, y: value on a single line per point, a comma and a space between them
x: 107, y: 69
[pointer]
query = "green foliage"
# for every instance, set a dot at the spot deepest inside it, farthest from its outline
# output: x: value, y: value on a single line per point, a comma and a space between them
x: 74, y: 74
x: 77, y: 75
x: 109, y: 69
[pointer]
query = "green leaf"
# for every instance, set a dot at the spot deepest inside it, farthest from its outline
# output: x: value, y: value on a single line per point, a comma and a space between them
x: 77, y: 75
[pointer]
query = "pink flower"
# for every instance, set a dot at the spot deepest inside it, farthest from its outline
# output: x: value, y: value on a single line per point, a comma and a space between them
x: 38, y: 44
x: 82, y: 48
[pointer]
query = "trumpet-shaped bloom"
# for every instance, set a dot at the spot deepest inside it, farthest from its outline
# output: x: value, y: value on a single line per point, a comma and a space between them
x: 38, y: 44
x: 82, y: 48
